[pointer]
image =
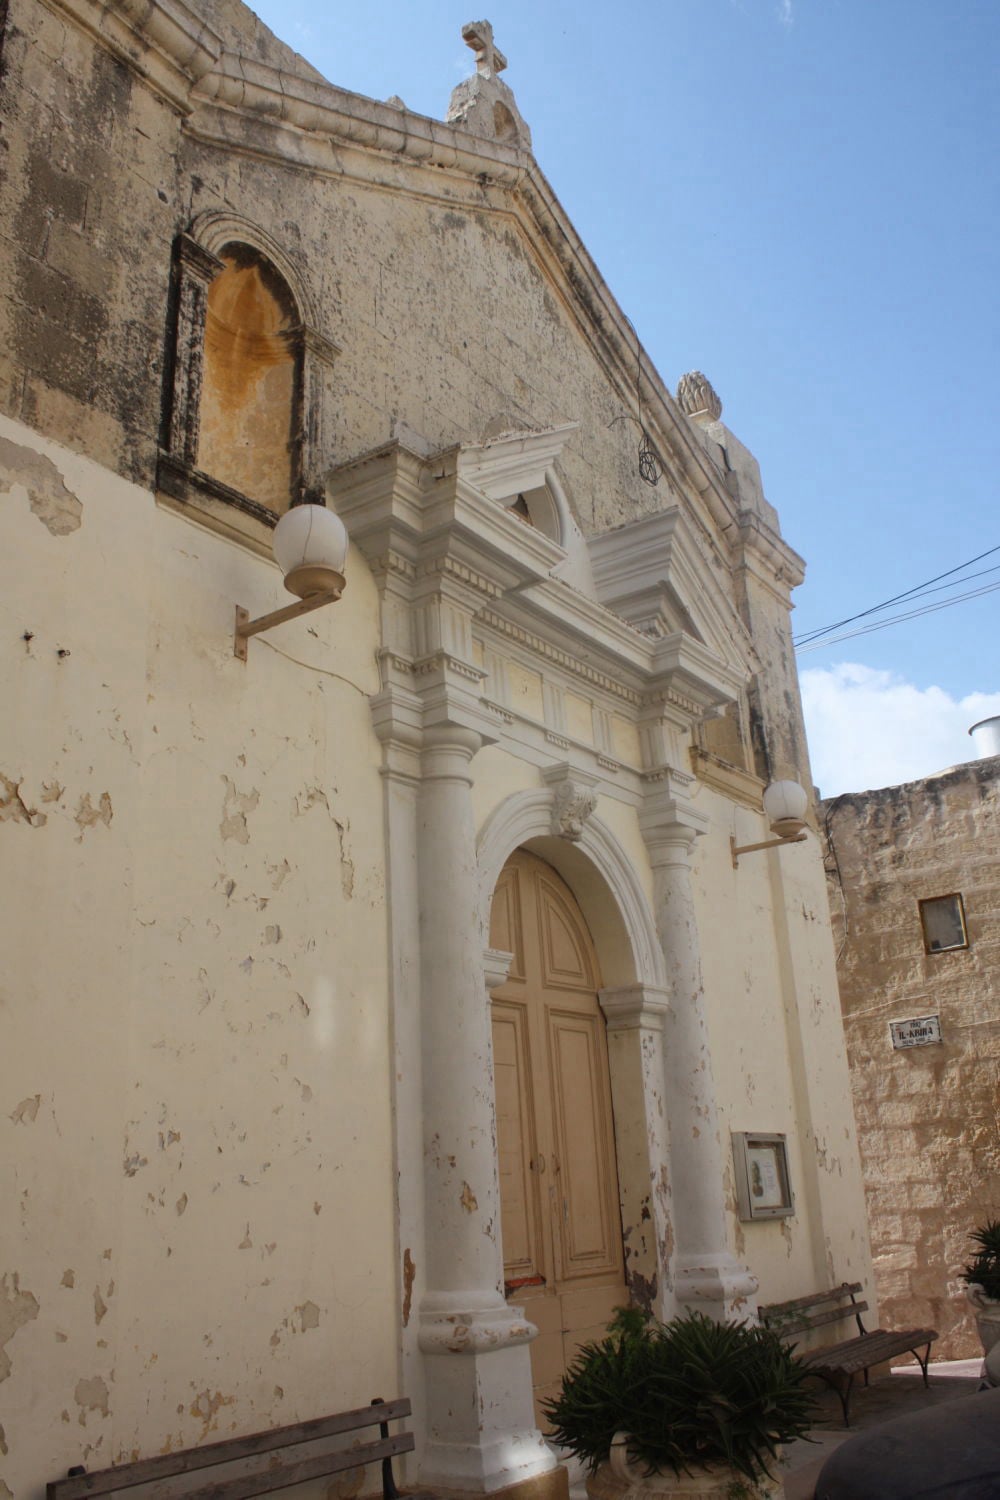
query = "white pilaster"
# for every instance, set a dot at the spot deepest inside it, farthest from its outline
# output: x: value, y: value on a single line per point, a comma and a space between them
x: 706, y: 1275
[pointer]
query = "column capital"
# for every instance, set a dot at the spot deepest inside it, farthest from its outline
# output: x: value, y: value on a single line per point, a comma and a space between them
x: 668, y: 818
x: 447, y: 752
x: 635, y: 1006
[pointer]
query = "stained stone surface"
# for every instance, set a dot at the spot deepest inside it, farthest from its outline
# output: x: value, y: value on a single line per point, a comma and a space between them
x: 926, y: 1115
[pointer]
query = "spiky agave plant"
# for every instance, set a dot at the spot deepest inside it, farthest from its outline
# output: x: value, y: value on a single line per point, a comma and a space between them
x: 686, y: 1393
x: 984, y: 1267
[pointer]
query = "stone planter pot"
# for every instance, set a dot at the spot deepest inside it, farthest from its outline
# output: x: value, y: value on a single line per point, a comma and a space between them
x: 987, y: 1314
x: 620, y: 1480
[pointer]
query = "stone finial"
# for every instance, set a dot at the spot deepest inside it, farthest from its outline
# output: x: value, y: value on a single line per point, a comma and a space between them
x: 489, y: 59
x: 483, y: 104
x: 697, y: 399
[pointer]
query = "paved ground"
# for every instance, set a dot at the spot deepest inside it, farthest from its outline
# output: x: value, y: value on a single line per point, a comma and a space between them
x: 893, y: 1396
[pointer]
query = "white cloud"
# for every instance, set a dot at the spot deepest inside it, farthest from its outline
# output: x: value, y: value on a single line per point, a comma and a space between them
x: 869, y: 728
x: 785, y: 12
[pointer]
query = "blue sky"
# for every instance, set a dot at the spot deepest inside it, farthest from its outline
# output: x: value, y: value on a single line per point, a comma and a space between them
x: 802, y: 199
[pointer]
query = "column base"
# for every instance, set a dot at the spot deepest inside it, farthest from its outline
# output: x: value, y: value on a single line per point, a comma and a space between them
x: 553, y: 1484
x: 717, y: 1285
x: 481, y: 1433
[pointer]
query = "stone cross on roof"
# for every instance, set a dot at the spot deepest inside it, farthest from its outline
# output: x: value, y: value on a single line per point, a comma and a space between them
x: 489, y: 59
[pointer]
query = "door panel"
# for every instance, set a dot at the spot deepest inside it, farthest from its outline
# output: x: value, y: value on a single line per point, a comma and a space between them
x: 519, y: 1209
x: 561, y: 1221
x: 566, y: 949
x: 590, y: 1239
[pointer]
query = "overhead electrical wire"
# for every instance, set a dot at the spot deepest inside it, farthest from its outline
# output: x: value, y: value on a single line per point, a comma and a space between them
x: 812, y: 639
x: 913, y: 614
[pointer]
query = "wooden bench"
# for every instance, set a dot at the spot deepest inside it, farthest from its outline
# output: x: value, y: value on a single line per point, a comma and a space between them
x: 281, y: 1467
x: 838, y: 1364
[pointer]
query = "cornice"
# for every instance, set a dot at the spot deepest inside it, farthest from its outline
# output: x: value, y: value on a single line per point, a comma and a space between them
x: 166, y: 42
x: 255, y: 89
x: 767, y: 546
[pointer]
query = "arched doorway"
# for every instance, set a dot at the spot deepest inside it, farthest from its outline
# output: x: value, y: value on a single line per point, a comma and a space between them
x: 560, y: 1215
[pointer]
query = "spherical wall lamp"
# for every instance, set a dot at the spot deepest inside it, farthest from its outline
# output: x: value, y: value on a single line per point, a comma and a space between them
x: 785, y: 806
x: 310, y: 547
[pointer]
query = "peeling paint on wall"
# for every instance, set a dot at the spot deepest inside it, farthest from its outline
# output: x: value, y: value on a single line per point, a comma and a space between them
x: 88, y: 816
x: 27, y: 1110
x: 56, y: 507
x: 309, y: 1315
x: 16, y: 1309
x: 91, y: 1395
x: 206, y: 1407
x: 13, y: 808
x: 235, y: 807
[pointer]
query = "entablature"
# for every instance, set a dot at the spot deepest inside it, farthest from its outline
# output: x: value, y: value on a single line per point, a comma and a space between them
x: 471, y: 610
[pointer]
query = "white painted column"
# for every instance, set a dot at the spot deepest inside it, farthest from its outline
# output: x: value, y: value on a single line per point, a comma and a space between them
x: 635, y: 1015
x: 706, y: 1275
x: 481, y: 1429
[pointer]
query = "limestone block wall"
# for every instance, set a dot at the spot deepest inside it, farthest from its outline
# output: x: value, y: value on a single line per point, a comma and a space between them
x: 927, y: 1116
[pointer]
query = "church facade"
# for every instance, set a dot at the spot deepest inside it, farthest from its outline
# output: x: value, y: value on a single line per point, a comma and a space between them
x: 385, y: 1004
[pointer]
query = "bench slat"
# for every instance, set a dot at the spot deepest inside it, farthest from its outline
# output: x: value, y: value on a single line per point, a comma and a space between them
x: 819, y: 1320
x: 107, y: 1481
x: 871, y: 1349
x: 778, y: 1309
x: 267, y: 1480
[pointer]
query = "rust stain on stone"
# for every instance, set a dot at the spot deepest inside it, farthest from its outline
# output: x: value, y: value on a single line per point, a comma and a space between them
x: 409, y: 1272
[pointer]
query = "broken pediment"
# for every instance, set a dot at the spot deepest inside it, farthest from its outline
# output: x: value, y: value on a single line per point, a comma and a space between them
x: 652, y: 573
x: 517, y: 468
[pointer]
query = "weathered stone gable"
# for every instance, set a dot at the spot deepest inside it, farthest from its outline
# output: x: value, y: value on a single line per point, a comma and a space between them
x: 927, y: 1116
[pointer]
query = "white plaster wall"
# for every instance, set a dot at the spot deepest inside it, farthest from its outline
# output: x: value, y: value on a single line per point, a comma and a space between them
x: 194, y: 1109
x: 778, y: 1051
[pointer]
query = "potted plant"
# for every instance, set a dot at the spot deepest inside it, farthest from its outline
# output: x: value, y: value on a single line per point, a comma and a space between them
x: 982, y: 1282
x: 688, y: 1408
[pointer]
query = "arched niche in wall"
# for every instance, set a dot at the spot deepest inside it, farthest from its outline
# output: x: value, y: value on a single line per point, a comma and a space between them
x: 244, y: 433
x: 249, y: 431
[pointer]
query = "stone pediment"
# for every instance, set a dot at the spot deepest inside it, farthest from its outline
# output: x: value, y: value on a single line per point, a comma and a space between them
x: 653, y: 574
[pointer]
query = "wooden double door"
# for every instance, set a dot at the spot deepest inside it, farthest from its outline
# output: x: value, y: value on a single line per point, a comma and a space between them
x: 560, y: 1215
